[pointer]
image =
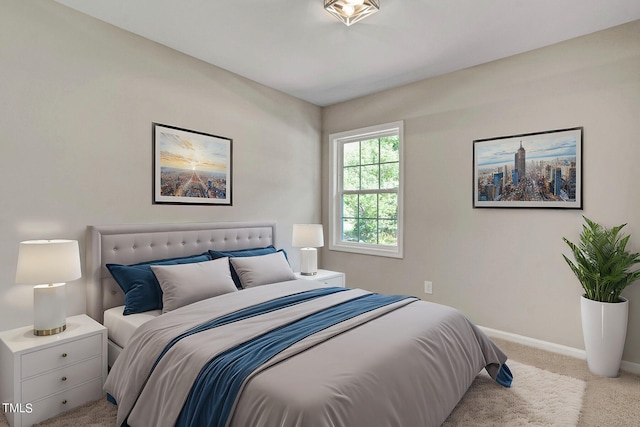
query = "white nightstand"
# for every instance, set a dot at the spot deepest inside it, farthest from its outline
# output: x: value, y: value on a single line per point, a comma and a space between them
x: 328, y: 277
x: 42, y: 376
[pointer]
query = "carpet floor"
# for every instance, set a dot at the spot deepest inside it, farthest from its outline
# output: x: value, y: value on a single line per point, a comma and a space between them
x: 548, y: 390
x: 536, y: 397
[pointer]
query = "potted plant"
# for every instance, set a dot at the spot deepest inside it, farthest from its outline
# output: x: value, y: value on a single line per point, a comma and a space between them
x: 604, y: 268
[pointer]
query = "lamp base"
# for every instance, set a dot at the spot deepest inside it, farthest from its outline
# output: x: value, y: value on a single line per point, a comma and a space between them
x: 49, y: 311
x: 45, y: 332
x: 308, y: 261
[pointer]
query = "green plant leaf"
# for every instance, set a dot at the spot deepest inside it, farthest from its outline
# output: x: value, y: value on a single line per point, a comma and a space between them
x: 602, y: 264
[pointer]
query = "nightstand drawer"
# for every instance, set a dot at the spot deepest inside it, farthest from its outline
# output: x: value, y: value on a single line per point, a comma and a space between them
x: 61, y: 379
x: 60, y: 355
x: 333, y: 281
x: 64, y: 401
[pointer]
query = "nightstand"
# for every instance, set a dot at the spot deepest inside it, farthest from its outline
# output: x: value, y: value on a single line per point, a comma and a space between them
x: 328, y: 277
x: 45, y: 375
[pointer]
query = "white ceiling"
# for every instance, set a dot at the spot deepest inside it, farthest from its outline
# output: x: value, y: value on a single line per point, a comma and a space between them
x: 295, y: 46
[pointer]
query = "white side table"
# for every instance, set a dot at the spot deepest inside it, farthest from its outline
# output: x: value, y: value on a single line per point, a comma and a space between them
x: 45, y: 375
x: 328, y: 277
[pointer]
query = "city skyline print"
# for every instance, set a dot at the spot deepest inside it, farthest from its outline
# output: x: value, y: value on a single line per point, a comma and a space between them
x: 191, y: 167
x: 534, y: 170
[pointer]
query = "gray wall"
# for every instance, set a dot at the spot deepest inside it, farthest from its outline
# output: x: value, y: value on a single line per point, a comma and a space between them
x: 77, y: 99
x: 503, y: 268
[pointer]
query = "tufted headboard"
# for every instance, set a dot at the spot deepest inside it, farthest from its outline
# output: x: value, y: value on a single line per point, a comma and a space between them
x: 133, y: 243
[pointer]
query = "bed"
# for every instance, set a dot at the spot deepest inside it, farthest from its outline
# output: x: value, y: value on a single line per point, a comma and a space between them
x: 386, y: 361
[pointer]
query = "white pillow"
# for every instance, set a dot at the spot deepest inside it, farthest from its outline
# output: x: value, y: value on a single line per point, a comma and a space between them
x: 262, y: 269
x: 184, y: 284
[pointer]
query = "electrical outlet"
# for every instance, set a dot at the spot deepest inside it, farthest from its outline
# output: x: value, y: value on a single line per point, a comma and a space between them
x: 428, y: 287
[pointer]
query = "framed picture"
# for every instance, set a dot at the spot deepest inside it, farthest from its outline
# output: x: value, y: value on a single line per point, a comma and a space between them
x: 191, y: 167
x: 532, y: 170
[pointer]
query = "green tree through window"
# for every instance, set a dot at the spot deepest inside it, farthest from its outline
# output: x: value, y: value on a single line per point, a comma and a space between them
x: 371, y: 174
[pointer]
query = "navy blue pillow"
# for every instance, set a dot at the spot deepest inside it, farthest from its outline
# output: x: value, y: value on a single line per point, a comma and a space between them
x: 141, y: 288
x: 244, y: 253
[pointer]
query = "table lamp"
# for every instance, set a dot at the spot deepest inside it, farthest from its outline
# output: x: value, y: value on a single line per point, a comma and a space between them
x: 308, y: 237
x: 48, y: 264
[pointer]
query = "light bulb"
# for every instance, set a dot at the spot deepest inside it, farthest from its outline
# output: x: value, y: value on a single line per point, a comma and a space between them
x: 348, y: 9
x: 356, y: 2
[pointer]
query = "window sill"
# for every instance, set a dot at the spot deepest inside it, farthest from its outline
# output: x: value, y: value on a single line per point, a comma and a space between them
x: 391, y: 252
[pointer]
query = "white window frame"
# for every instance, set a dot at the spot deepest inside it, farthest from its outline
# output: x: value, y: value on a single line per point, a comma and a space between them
x: 336, y: 142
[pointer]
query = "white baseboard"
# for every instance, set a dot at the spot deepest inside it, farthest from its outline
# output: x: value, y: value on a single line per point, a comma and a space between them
x: 634, y: 368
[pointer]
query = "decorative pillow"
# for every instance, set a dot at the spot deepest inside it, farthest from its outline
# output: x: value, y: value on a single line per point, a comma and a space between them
x: 243, y: 253
x: 141, y: 288
x: 188, y: 283
x: 262, y: 270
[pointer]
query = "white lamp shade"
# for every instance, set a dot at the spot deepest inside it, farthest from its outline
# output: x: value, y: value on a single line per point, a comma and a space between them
x: 48, y: 261
x: 307, y: 236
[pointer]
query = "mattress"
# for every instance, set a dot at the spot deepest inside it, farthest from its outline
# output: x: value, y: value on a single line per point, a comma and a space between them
x: 121, y: 328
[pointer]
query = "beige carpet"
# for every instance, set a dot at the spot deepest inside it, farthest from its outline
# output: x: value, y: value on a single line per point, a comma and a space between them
x: 530, y: 401
x: 536, y: 397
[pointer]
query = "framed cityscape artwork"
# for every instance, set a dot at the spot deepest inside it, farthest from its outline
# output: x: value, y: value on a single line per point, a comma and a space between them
x: 191, y: 167
x: 532, y: 170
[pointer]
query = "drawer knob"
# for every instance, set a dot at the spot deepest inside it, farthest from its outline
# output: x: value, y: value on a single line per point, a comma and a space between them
x: 64, y: 402
x: 64, y: 354
x: 63, y: 378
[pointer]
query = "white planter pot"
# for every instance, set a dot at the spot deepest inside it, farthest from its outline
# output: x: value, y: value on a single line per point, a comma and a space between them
x: 604, y: 327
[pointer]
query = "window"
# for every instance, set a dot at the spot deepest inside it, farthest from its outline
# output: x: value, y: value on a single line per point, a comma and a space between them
x: 366, y: 191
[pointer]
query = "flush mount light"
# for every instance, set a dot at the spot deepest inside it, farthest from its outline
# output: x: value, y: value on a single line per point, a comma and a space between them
x: 351, y: 11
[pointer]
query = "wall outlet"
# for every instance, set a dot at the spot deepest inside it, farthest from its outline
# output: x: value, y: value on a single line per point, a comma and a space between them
x: 428, y: 287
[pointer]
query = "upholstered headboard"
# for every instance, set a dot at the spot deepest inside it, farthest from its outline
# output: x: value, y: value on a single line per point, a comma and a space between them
x: 133, y: 243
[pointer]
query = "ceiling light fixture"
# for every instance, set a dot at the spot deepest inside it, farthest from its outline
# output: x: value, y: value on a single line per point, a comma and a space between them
x: 351, y: 11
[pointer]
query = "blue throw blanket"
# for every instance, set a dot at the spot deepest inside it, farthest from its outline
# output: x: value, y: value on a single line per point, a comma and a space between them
x: 256, y: 310
x: 505, y: 377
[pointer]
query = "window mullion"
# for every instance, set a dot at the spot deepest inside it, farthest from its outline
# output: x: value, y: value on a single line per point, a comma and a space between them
x: 378, y: 194
x: 358, y: 220
x: 373, y: 191
x: 360, y: 165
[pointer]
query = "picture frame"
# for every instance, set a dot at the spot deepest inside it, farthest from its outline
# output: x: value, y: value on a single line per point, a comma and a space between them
x: 530, y: 170
x: 191, y: 167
